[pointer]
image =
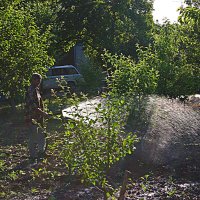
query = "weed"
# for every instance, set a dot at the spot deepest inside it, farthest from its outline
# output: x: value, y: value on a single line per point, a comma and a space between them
x: 34, y: 190
x: 171, y: 192
x: 13, y: 176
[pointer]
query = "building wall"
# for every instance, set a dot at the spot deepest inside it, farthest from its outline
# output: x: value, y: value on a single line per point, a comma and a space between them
x: 73, y: 57
x: 79, y: 56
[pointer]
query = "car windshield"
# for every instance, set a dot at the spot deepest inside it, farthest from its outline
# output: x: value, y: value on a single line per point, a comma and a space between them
x: 63, y: 71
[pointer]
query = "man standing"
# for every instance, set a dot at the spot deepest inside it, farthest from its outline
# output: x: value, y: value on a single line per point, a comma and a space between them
x: 34, y: 117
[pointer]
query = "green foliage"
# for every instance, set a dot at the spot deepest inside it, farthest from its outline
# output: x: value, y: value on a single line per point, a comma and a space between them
x: 94, y: 140
x: 90, y: 151
x: 24, y: 51
x: 128, y: 77
x: 44, y: 13
x: 145, y: 182
x: 170, y: 60
x: 2, y: 166
x: 93, y: 76
x: 114, y: 25
x: 13, y: 175
x: 195, y: 3
x: 175, y: 56
x: 178, y: 47
x: 170, y: 66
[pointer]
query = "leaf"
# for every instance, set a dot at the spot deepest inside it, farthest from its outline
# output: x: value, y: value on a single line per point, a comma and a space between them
x: 71, y: 125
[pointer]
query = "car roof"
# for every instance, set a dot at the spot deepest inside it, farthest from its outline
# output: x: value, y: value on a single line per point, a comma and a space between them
x: 64, y: 66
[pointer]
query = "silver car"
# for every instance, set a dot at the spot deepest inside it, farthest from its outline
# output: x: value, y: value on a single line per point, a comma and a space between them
x: 56, y: 74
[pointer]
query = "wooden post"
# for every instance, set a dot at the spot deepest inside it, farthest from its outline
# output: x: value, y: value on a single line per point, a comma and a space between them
x: 124, y: 184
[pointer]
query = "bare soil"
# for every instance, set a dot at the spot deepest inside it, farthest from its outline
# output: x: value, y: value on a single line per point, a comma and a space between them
x: 49, y: 178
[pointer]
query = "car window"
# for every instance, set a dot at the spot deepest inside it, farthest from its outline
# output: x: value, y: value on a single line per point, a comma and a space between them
x: 57, y: 72
x: 63, y: 71
x: 69, y: 71
x: 72, y: 71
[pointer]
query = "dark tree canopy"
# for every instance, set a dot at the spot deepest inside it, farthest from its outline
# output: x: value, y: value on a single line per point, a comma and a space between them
x: 114, y: 25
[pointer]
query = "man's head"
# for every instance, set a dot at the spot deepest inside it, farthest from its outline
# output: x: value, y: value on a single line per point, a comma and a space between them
x: 36, y: 79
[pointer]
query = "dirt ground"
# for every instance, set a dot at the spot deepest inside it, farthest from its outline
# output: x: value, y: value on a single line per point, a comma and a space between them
x: 49, y: 178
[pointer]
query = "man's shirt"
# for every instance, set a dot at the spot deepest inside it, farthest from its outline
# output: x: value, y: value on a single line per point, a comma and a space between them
x: 33, y: 101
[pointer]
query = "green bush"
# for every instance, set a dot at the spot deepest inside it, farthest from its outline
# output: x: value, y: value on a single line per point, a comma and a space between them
x: 130, y: 78
x: 90, y: 146
x: 93, y: 76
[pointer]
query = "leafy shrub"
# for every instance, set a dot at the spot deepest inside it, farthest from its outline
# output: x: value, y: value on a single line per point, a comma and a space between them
x: 91, y: 145
x: 23, y: 51
x: 93, y: 76
x: 129, y: 78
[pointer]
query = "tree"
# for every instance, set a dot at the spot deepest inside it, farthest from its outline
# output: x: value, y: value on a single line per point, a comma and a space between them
x: 189, y: 20
x: 175, y: 55
x: 195, y: 3
x: 171, y: 61
x: 130, y: 78
x: 113, y: 25
x: 23, y: 51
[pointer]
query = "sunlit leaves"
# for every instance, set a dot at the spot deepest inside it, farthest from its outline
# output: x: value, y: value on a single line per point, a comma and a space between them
x: 128, y: 77
x: 23, y: 50
x: 175, y: 55
x: 190, y: 15
x: 95, y: 140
